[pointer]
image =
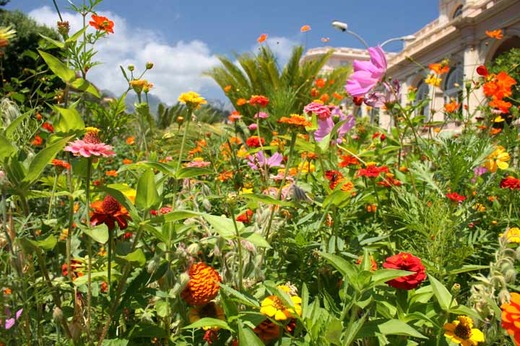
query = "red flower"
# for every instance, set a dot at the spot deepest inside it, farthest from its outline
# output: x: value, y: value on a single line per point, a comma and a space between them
x: 347, y: 160
x: 37, y: 141
x: 245, y: 217
x: 455, y: 197
x: 47, y: 126
x: 255, y: 141
x: 102, y: 23
x: 406, y: 261
x: 61, y: 163
x: 482, y: 71
x: 259, y: 100
x: 109, y: 211
x: 335, y: 177
x: 511, y: 183
x: 372, y: 171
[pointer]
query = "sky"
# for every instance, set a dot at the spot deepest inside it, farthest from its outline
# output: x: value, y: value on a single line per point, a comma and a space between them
x: 185, y: 38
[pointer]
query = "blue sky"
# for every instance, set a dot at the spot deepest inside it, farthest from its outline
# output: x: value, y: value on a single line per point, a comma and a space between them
x: 184, y: 38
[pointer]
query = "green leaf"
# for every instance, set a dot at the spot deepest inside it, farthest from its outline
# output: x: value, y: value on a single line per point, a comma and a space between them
x: 383, y: 275
x: 69, y: 121
x: 247, y: 337
x: 209, y: 322
x: 59, y: 68
x: 243, y: 299
x: 442, y: 294
x: 146, y: 330
x: 46, y: 244
x: 337, y: 198
x: 42, y: 159
x: 146, y: 196
x: 175, y: 215
x: 161, y: 307
x: 115, y: 342
x: 388, y: 327
x: 56, y: 43
x: 9, y: 131
x: 346, y: 268
x: 85, y: 85
x: 137, y: 257
x: 98, y: 233
x: 6, y: 148
x: 192, y: 172
x: 265, y: 199
x: 256, y: 239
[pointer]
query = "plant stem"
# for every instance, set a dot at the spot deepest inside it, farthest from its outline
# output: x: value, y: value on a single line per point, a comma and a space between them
x: 239, y: 249
x: 89, y: 252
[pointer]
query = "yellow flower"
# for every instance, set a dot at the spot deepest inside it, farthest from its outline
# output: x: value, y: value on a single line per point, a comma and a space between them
x: 306, y: 167
x: 461, y: 331
x: 433, y: 80
x: 273, y: 306
x: 192, y: 99
x: 512, y: 235
x: 497, y: 160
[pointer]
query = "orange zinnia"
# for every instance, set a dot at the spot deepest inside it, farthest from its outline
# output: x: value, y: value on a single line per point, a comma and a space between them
x: 130, y: 140
x: 305, y: 28
x: 451, y: 107
x: 498, y: 34
x: 111, y: 173
x: 203, y: 286
x: 295, y: 120
x: 261, y: 38
x: 241, y: 101
x: 109, y: 211
x: 102, y: 23
x: 511, y: 316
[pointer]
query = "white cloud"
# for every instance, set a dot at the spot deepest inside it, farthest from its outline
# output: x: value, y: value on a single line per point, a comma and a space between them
x: 177, y: 68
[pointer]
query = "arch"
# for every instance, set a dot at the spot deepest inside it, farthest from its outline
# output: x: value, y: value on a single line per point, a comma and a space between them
x: 512, y: 40
x: 422, y: 93
x: 457, y: 12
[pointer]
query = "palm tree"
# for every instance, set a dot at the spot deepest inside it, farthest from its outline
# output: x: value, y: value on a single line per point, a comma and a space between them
x: 288, y: 88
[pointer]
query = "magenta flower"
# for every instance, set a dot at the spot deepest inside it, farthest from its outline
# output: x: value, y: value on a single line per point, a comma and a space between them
x: 261, y: 115
x: 325, y: 126
x: 9, y: 323
x: 322, y: 111
x: 90, y: 145
x: 367, y: 73
x: 259, y: 160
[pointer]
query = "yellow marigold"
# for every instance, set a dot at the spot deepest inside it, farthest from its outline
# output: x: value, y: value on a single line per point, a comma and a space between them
x: 498, y: 159
x: 192, y: 99
x: 273, y: 306
x: 512, y: 235
x: 433, y: 80
x: 296, y: 120
x: 461, y: 331
x: 203, y: 285
x: 306, y: 167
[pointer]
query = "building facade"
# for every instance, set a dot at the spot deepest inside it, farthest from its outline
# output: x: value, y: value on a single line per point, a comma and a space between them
x: 457, y: 35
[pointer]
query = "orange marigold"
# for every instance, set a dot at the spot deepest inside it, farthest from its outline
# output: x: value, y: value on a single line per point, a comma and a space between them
x: 511, y: 316
x: 203, y: 286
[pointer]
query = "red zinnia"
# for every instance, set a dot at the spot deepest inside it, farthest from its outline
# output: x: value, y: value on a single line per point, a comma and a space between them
x: 47, y: 126
x: 335, y: 177
x: 455, y: 197
x: 259, y: 100
x: 511, y: 183
x: 347, y: 160
x: 245, y: 217
x: 255, y: 141
x: 406, y: 261
x: 372, y: 171
x: 109, y: 211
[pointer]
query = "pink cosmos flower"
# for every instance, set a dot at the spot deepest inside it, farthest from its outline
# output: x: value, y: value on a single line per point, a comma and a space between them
x: 322, y: 111
x: 9, y: 323
x: 259, y: 160
x: 367, y: 73
x: 326, y: 125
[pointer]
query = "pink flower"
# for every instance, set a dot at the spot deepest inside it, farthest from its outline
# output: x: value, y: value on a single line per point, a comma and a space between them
x: 322, y: 111
x: 367, y: 73
x: 261, y: 115
x: 252, y: 127
x: 198, y: 162
x: 90, y: 145
x: 326, y: 125
x: 259, y: 160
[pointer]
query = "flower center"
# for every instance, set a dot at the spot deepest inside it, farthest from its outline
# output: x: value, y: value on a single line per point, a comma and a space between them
x: 277, y: 303
x: 209, y: 310
x: 110, y: 205
x: 91, y: 137
x: 463, y: 331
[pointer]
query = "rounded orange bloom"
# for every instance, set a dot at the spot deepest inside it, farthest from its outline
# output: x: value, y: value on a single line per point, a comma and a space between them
x: 111, y: 173
x: 451, y: 107
x: 320, y: 83
x: 305, y: 28
x: 127, y: 161
x: 241, y: 101
x: 261, y: 38
x: 203, y: 286
x: 259, y: 100
x: 439, y: 68
x: 227, y: 88
x: 102, y: 23
x: 296, y: 120
x: 130, y: 140
x: 511, y: 317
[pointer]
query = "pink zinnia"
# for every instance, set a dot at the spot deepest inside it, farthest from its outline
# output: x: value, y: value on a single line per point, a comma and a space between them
x: 323, y: 112
x: 367, y: 73
x: 89, y: 146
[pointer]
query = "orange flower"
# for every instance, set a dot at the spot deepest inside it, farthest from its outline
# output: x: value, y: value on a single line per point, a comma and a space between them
x: 511, y: 316
x: 305, y: 28
x: 111, y: 173
x: 109, y: 211
x: 227, y: 88
x: 234, y: 116
x: 241, y: 101
x: 261, y: 38
x: 130, y: 140
x: 439, y: 68
x: 102, y: 23
x: 224, y: 176
x: 501, y: 105
x: 324, y: 98
x: 37, y: 141
x: 498, y: 34
x: 47, y: 126
x: 259, y: 100
x: 320, y: 83
x: 127, y: 161
x: 295, y: 120
x: 61, y: 163
x: 451, y: 107
x: 267, y: 331
x: 338, y: 96
x: 203, y: 286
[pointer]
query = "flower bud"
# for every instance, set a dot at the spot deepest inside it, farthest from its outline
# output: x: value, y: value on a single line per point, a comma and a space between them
x: 149, y: 65
x: 455, y: 289
x: 131, y: 68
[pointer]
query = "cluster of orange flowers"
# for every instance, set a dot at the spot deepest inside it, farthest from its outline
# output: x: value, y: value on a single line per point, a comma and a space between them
x: 498, y: 87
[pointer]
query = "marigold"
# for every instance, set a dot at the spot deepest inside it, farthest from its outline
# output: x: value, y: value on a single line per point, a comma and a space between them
x: 227, y: 88
x: 498, y: 159
x: 320, y: 83
x: 273, y: 306
x: 439, y: 68
x: 406, y: 261
x: 511, y: 317
x: 192, y: 99
x: 261, y: 38
x: 496, y: 34
x: 451, y: 107
x: 295, y: 120
x: 305, y: 28
x: 130, y: 140
x: 461, y: 331
x: 203, y: 285
x: 109, y: 211
x: 102, y: 23
x: 37, y: 141
x: 111, y: 173
x: 127, y: 161
x: 512, y: 235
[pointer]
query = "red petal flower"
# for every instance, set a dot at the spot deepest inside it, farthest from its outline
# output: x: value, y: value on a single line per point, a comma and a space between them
x: 406, y: 261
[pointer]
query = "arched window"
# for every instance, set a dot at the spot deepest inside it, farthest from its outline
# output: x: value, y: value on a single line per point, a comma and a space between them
x: 457, y: 12
x: 453, y: 84
x: 423, y: 93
